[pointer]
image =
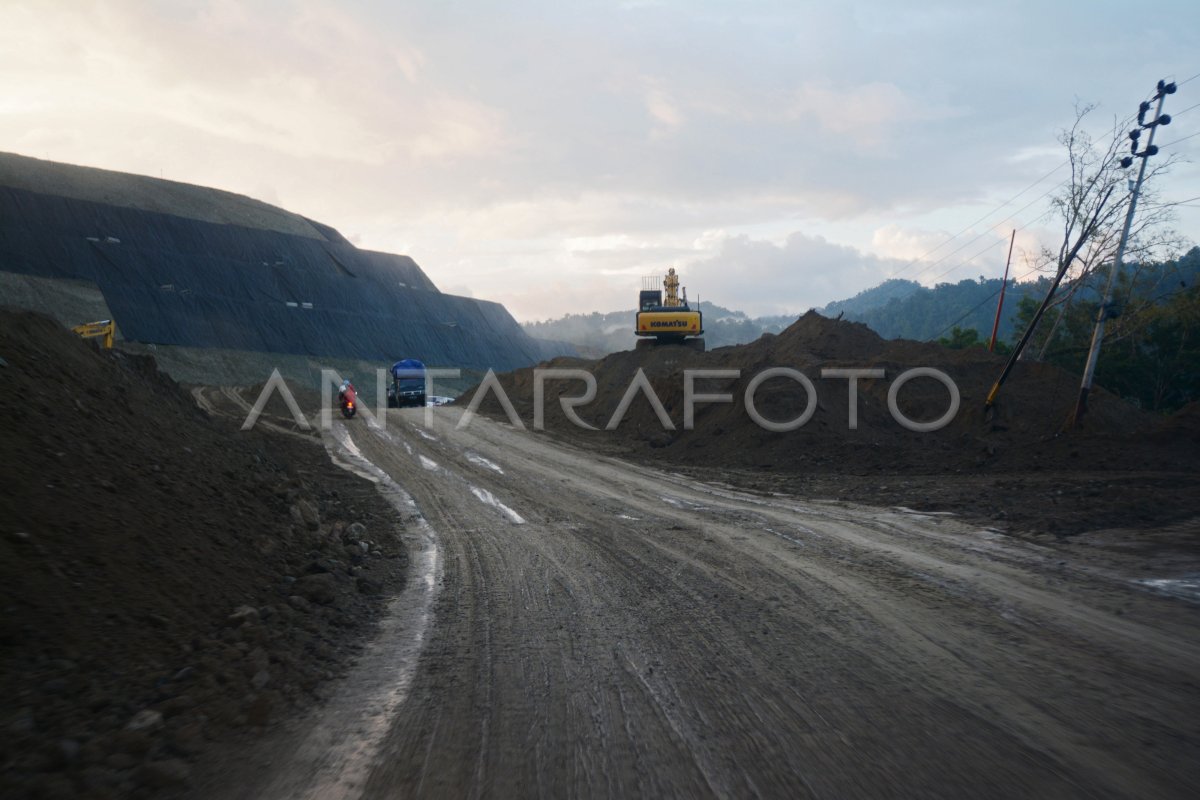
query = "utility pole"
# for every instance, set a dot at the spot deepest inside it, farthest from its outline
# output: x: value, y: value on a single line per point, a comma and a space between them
x: 1065, y: 261
x: 1089, y: 370
x: 1003, y: 286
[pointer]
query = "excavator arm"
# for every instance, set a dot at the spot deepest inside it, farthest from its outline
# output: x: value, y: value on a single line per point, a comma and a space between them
x: 91, y: 330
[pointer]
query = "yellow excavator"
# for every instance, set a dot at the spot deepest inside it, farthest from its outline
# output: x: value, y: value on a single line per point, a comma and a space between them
x: 91, y: 330
x: 664, y: 316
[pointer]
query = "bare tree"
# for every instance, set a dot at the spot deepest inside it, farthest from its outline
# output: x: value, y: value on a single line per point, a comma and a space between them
x: 1089, y: 209
x: 1092, y: 202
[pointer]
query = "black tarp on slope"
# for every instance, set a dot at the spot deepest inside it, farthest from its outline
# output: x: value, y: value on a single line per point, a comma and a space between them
x: 177, y: 281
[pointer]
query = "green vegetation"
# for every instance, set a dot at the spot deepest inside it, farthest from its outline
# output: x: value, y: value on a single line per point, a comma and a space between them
x: 962, y: 338
x: 927, y: 314
x: 1151, y: 351
x: 875, y: 297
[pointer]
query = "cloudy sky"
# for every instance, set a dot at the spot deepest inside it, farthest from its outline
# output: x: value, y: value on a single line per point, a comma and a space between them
x: 547, y: 154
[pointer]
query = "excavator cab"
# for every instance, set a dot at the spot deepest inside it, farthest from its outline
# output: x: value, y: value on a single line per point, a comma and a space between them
x: 649, y: 299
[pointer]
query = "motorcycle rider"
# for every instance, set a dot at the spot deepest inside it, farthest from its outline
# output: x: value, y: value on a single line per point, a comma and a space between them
x: 347, y: 389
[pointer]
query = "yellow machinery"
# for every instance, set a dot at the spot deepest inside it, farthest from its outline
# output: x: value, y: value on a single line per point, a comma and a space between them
x: 667, y: 319
x: 92, y: 330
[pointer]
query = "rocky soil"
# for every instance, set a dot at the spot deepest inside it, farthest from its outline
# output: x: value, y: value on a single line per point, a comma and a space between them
x: 167, y: 581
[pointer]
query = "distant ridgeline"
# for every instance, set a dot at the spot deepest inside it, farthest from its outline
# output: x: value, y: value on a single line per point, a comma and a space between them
x: 195, y: 267
x: 903, y: 309
x: 895, y: 309
x: 599, y: 333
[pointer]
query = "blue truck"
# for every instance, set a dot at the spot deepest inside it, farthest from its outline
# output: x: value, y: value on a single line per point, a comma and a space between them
x: 408, y: 384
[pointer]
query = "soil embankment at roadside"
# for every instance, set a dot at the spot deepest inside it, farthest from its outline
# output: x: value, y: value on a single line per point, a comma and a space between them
x: 167, y: 581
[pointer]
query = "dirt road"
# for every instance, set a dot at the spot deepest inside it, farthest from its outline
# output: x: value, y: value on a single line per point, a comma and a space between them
x: 603, y: 629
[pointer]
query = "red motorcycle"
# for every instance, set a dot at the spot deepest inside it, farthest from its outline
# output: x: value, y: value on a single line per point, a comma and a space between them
x: 348, y: 399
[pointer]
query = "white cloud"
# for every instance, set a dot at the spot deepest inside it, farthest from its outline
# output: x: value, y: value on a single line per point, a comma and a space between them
x: 906, y: 244
x: 867, y: 115
x: 761, y: 277
x: 664, y: 111
x: 544, y: 154
x: 316, y: 83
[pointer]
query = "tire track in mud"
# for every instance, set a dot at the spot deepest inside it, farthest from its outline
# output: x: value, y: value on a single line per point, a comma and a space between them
x: 332, y: 761
x: 328, y: 753
x: 641, y: 635
x: 876, y: 586
x: 513, y: 574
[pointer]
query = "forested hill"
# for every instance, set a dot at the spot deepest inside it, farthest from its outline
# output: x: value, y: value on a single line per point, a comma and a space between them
x: 923, y: 313
x: 894, y: 309
x: 868, y: 299
x: 915, y: 312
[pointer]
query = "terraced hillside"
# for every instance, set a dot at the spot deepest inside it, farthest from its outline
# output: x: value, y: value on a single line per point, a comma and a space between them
x: 185, y: 266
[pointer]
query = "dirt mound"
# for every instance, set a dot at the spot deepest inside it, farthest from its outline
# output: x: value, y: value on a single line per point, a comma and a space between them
x: 166, y: 580
x: 1024, y: 432
x: 1183, y: 425
x: 812, y: 335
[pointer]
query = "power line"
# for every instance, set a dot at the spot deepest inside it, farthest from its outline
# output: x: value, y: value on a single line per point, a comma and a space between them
x: 964, y: 246
x: 1179, y: 114
x: 1050, y: 191
x: 1047, y: 193
x: 991, y: 296
x: 1027, y: 205
x: 1184, y: 139
x: 975, y: 308
x: 921, y: 257
x: 991, y: 246
x: 1089, y: 369
x: 909, y: 265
